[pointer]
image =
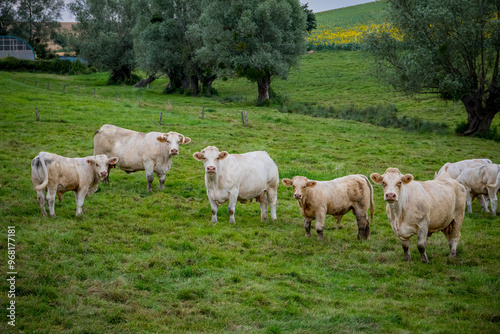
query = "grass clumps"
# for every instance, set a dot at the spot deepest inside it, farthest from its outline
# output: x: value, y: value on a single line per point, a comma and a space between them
x: 380, y: 115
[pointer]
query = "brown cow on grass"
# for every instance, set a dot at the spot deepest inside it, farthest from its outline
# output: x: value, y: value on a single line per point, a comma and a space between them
x: 58, y: 175
x: 337, y: 197
x: 423, y: 208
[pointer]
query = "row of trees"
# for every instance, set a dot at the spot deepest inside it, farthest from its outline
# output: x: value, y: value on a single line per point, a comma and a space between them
x: 35, y: 21
x: 193, y: 41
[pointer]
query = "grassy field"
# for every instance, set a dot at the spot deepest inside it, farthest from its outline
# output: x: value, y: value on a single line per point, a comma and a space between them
x: 139, y: 262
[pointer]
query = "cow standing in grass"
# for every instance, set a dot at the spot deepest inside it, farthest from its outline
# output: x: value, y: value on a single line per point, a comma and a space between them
x: 59, y: 174
x: 337, y: 197
x: 479, y: 181
x: 239, y: 177
x: 139, y: 151
x: 423, y: 208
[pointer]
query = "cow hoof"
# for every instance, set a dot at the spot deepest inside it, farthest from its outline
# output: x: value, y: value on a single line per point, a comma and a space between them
x: 53, y: 215
x: 424, y: 259
x: 407, y: 257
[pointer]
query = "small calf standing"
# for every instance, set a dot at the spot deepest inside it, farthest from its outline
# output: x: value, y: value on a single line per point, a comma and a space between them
x: 239, y: 177
x: 58, y: 175
x: 483, y: 180
x: 337, y: 197
x: 423, y: 208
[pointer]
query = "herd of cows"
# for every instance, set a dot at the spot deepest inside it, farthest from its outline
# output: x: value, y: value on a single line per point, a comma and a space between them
x: 413, y: 207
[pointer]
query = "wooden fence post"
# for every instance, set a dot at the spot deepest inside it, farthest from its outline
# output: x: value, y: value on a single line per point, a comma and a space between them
x: 246, y: 118
x: 242, y: 117
x: 169, y: 106
x: 203, y: 112
x: 37, y: 115
x: 161, y: 115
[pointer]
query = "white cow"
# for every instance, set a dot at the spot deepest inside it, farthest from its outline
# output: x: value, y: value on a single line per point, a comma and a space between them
x: 239, y: 177
x: 59, y: 174
x: 455, y: 168
x: 483, y: 180
x: 139, y: 151
x: 423, y: 208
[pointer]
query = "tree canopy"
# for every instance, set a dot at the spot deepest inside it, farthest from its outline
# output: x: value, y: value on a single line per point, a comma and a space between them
x: 255, y: 39
x: 448, y: 47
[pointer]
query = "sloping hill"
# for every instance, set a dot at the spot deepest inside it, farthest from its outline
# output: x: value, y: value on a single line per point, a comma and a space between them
x: 350, y: 16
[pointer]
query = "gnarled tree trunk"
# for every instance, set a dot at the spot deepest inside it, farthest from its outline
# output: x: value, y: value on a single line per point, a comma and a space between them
x: 147, y: 81
x: 479, y: 114
x: 264, y: 85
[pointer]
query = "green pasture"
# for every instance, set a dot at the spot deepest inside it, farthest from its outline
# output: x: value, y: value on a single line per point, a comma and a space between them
x: 364, y: 14
x: 139, y: 262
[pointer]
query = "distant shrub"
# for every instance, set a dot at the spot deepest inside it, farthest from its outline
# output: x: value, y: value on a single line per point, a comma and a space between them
x: 58, y: 66
x: 334, y: 47
x: 380, y: 115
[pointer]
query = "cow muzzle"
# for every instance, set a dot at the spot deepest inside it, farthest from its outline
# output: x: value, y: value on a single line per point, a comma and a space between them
x: 390, y: 197
x: 104, y: 173
x: 211, y: 169
x: 297, y: 196
x: 174, y: 151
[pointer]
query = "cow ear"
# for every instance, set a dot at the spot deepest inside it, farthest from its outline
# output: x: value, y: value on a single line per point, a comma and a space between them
x: 287, y: 182
x: 184, y: 140
x: 223, y: 155
x: 113, y: 161
x: 91, y: 162
x: 406, y: 178
x: 311, y: 184
x: 161, y: 138
x: 377, y: 178
x: 199, y: 156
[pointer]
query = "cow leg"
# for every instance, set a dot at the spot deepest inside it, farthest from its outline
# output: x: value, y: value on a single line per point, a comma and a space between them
x: 363, y: 224
x: 233, y: 198
x: 80, y: 198
x: 40, y: 196
x: 162, y: 181
x: 469, y: 201
x: 51, y: 199
x: 214, y: 207
x: 263, y: 206
x: 422, y: 241
x: 406, y: 249
x: 149, y: 168
x: 307, y: 226
x: 492, y: 194
x: 452, y: 233
x: 272, y: 199
x: 320, y: 224
x: 483, y: 201
x: 106, y: 178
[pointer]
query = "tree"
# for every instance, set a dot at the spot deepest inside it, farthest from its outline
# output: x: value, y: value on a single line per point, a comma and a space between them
x: 167, y: 37
x: 35, y: 21
x: 449, y: 47
x: 256, y: 39
x: 311, y: 18
x: 104, y: 35
x: 7, y: 13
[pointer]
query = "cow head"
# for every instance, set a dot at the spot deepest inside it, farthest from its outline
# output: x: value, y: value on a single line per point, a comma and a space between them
x: 173, y: 140
x: 100, y: 164
x: 392, y: 181
x: 211, y: 157
x: 300, y: 184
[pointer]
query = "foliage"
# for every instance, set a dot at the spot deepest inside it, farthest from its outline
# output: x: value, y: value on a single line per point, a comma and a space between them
x: 58, y: 66
x: 311, y: 18
x: 450, y: 48
x: 104, y: 35
x: 32, y: 20
x: 139, y: 262
x: 255, y: 39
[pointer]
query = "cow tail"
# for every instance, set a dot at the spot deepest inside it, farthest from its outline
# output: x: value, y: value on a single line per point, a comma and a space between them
x: 41, y: 157
x: 497, y: 181
x: 372, y: 206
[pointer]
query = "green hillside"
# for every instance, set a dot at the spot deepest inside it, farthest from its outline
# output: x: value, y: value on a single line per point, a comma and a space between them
x: 363, y: 14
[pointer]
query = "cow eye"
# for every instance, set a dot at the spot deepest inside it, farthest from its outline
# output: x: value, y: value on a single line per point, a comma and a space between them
x: 97, y: 165
x: 384, y: 184
x: 399, y: 184
x: 168, y: 141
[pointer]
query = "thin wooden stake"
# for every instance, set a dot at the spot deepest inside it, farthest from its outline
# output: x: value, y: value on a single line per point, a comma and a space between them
x: 246, y: 118
x: 161, y: 115
x: 242, y: 117
x: 147, y: 86
x: 203, y: 112
x: 139, y: 101
x: 37, y: 115
x: 169, y: 105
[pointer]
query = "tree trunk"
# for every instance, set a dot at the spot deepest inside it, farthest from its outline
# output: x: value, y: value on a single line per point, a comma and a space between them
x: 479, y: 117
x: 194, y: 85
x: 206, y: 84
x: 264, y: 84
x: 147, y: 81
